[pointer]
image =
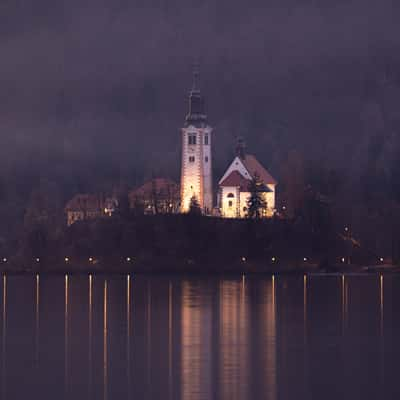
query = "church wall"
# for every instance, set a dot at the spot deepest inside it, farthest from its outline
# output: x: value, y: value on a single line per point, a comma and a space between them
x: 192, y: 173
x: 270, y: 198
x: 196, y: 177
x: 238, y: 207
x: 207, y: 170
x: 229, y: 210
x: 243, y: 203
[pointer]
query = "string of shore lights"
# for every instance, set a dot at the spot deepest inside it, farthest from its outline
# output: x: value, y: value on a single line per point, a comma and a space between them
x: 130, y: 259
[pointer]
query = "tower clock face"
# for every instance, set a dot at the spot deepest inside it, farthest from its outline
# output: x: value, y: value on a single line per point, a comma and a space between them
x: 191, y: 150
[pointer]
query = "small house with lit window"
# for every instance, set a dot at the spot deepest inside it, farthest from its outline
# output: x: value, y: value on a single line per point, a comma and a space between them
x: 234, y: 192
x: 89, y: 206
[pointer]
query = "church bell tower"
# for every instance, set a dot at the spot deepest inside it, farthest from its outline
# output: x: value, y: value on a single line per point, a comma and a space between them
x: 196, y: 172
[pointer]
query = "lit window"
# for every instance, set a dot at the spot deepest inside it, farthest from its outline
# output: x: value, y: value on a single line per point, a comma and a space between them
x: 230, y: 203
x: 230, y: 195
x: 192, y: 139
x: 206, y: 139
x: 191, y: 159
x: 206, y: 159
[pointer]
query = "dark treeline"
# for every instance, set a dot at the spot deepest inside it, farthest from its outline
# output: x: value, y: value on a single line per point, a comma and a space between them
x: 189, y: 241
x: 323, y: 201
x: 322, y: 216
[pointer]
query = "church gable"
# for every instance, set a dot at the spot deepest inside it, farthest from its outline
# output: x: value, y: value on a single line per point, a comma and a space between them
x: 248, y: 166
x: 234, y: 185
x: 236, y: 165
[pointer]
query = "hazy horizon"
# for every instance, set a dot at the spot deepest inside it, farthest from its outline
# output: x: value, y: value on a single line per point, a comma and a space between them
x: 107, y: 83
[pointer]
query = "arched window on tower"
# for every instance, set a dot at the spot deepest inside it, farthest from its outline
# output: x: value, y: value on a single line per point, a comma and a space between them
x: 230, y: 195
x: 191, y: 139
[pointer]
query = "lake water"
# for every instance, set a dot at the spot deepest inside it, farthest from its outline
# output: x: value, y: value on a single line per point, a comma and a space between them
x: 243, y: 337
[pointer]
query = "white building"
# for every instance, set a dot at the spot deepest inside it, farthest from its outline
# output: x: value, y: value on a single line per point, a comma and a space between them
x: 196, y: 172
x: 234, y: 185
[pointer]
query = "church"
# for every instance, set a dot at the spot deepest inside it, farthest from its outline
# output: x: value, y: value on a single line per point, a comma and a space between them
x: 234, y: 192
x: 196, y: 169
x: 164, y: 196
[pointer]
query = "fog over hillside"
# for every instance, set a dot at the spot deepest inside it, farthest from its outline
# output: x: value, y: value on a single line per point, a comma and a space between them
x: 95, y: 93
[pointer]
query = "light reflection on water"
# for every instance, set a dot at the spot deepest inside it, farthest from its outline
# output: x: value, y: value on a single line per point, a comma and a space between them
x: 196, y: 359
x: 3, y: 341
x: 105, y: 344
x: 194, y: 338
x: 66, y: 350
x: 90, y: 353
x: 128, y: 335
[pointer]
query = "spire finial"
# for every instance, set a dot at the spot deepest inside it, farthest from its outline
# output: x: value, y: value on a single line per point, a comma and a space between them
x: 241, y: 148
x: 196, y: 75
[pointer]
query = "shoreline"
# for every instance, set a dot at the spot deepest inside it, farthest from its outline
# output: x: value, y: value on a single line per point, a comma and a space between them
x: 194, y: 269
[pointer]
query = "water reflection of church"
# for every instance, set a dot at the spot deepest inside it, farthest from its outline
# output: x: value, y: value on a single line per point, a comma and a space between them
x: 222, y: 336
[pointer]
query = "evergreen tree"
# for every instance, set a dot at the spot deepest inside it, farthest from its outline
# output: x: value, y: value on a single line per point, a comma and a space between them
x: 194, y: 207
x: 256, y: 204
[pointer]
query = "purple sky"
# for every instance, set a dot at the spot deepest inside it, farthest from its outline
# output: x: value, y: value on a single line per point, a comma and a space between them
x: 107, y: 80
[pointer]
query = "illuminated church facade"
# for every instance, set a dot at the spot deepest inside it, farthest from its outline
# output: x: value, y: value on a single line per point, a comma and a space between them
x: 233, y: 194
x: 196, y: 168
x: 196, y: 164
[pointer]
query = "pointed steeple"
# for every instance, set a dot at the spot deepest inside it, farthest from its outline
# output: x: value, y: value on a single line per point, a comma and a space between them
x: 197, y: 114
x: 196, y: 76
x: 241, y: 148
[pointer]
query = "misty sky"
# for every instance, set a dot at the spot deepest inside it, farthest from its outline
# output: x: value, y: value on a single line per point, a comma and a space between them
x: 107, y: 81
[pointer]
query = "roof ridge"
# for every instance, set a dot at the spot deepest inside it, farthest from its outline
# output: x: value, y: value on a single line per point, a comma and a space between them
x: 253, y: 166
